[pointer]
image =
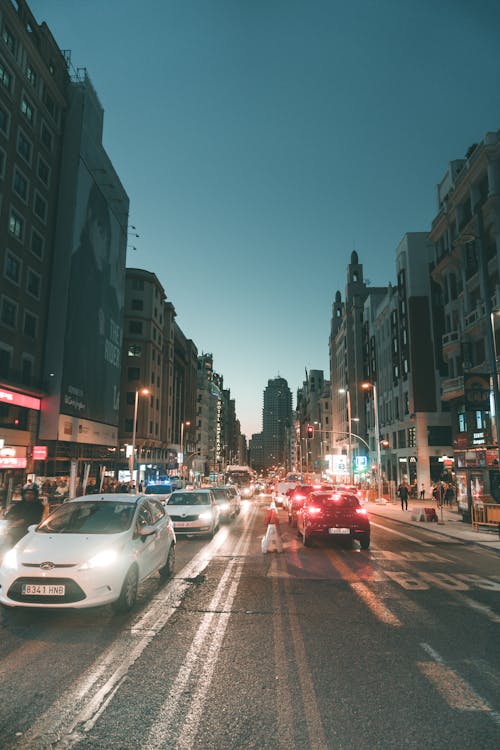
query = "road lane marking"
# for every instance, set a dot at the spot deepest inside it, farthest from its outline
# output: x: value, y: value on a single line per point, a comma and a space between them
x: 452, y: 687
x: 400, y: 533
x: 81, y: 704
x: 367, y: 596
x: 284, y: 708
x: 477, y: 606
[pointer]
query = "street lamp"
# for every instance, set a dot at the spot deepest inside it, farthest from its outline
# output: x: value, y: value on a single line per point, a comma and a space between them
x: 143, y: 392
x: 349, y: 420
x: 373, y: 387
x: 181, y: 467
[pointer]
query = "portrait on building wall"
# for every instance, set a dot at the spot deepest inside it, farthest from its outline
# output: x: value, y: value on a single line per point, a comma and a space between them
x: 94, y: 321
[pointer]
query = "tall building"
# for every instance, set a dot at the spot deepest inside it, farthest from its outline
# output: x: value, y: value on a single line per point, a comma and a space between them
x: 277, y: 423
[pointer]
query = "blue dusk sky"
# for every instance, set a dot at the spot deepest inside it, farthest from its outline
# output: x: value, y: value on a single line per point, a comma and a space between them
x: 261, y: 141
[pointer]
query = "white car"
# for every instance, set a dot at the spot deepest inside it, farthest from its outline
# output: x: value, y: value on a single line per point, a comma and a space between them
x: 194, y: 512
x: 90, y: 551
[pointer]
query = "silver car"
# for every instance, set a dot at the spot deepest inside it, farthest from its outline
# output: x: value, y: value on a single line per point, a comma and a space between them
x: 193, y: 512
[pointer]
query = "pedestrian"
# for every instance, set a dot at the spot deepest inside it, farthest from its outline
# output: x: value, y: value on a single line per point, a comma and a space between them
x: 272, y: 530
x: 403, y: 492
x: 449, y: 494
x: 422, y: 491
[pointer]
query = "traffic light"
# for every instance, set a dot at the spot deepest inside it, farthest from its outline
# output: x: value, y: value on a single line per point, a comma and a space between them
x: 310, y: 431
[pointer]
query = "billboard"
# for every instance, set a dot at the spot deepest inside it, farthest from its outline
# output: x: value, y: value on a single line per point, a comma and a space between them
x: 96, y: 288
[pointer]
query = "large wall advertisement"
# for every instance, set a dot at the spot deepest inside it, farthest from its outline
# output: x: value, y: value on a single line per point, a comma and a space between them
x: 94, y: 324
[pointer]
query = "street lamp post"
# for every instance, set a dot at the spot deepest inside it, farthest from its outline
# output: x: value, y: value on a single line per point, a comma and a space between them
x: 349, y: 420
x: 373, y: 387
x: 183, y: 425
x: 144, y: 392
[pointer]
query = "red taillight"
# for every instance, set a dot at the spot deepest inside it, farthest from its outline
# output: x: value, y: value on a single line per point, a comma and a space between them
x: 313, y: 510
x: 299, y: 497
x: 362, y: 511
x: 317, y: 486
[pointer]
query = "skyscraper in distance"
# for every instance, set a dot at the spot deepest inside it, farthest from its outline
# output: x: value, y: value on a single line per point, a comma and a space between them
x: 276, y: 423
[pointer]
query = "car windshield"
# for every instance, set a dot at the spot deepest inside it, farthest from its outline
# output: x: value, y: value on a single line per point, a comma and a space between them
x: 220, y: 494
x: 89, y: 518
x: 189, y: 498
x: 158, y: 489
x: 334, y: 500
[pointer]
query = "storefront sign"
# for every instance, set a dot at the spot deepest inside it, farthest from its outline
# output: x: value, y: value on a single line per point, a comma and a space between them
x: 12, y: 463
x: 19, y: 399
x: 40, y: 452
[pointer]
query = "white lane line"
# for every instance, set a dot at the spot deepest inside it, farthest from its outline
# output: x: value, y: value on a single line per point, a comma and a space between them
x: 80, y: 705
x: 477, y: 606
x: 198, y: 666
x: 399, y: 533
x: 316, y: 732
x: 452, y: 687
x: 284, y: 707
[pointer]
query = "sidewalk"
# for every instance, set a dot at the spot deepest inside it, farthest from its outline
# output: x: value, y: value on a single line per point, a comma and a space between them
x: 451, y: 526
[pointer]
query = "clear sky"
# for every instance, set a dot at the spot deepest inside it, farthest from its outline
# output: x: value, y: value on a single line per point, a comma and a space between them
x: 261, y: 141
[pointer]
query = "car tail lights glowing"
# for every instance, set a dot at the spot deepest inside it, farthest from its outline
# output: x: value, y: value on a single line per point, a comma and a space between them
x: 313, y: 510
x: 299, y: 497
x: 362, y: 511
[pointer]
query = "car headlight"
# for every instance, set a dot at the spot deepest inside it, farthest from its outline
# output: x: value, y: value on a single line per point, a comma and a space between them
x: 206, y: 516
x: 224, y: 506
x: 102, y: 560
x: 9, y: 561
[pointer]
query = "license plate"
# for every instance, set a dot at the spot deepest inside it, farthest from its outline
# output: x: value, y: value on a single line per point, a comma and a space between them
x: 182, y: 524
x: 339, y: 531
x: 43, y: 589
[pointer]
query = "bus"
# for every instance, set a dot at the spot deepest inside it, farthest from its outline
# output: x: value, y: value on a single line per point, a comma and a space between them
x: 242, y: 477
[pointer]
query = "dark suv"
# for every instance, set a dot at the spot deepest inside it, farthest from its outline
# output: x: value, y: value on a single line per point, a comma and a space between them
x: 333, y: 515
x: 299, y: 495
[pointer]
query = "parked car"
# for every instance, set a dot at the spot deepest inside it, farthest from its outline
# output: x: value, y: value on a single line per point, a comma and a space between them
x: 226, y: 503
x: 194, y: 512
x: 333, y: 515
x: 89, y: 551
x: 299, y: 495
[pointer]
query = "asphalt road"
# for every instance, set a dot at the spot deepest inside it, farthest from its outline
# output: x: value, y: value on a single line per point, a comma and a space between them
x: 329, y: 647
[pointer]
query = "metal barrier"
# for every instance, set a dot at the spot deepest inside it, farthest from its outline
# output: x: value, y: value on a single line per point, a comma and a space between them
x: 485, y: 514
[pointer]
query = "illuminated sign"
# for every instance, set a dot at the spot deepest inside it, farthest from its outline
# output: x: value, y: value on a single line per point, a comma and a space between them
x: 19, y: 399
x: 8, y: 462
x: 40, y: 452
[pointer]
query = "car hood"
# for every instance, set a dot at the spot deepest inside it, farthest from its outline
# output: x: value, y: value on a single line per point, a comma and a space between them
x: 188, y: 510
x: 65, y: 548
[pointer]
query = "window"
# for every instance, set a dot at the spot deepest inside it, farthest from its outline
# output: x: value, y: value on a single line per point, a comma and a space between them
x: 129, y: 425
x: 24, y: 147
x: 31, y: 75
x: 16, y: 225
x: 5, y: 355
x: 462, y: 422
x: 33, y: 283
x: 4, y: 121
x: 133, y: 373
x: 130, y: 398
x: 40, y: 207
x: 135, y: 326
x: 8, y: 312
x: 30, y: 325
x: 135, y: 350
x: 49, y: 103
x: 138, y: 285
x: 26, y: 369
x: 9, y: 39
x: 43, y: 171
x: 36, y: 244
x: 137, y: 304
x: 5, y: 77
x: 28, y: 110
x: 46, y: 137
x: 12, y: 269
x: 480, y: 421
x: 2, y: 162
x: 20, y: 185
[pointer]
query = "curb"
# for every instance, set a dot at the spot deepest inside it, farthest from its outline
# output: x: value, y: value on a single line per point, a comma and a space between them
x: 480, y: 542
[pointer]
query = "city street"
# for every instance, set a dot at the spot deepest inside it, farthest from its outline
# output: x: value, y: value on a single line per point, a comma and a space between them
x: 325, y: 647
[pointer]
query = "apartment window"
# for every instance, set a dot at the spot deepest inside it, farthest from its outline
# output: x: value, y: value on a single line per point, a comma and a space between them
x: 20, y: 185
x: 31, y: 75
x: 46, y: 137
x: 5, y: 357
x: 129, y: 425
x: 150, y: 428
x: 26, y: 369
x: 137, y: 304
x: 462, y: 422
x: 152, y: 378
x: 12, y: 269
x: 2, y: 162
x: 30, y: 325
x: 28, y: 110
x: 9, y: 39
x: 135, y: 350
x: 49, y: 103
x: 4, y: 121
x: 36, y: 244
x: 33, y: 283
x: 40, y: 207
x: 480, y: 421
x: 24, y: 147
x: 411, y: 437
x: 133, y: 373
x: 8, y: 312
x: 43, y: 171
x: 135, y: 326
x: 130, y: 398
x: 138, y: 285
x: 16, y: 225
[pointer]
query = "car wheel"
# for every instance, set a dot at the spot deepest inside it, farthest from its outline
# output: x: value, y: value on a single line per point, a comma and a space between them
x: 128, y: 594
x: 307, y: 539
x: 364, y: 541
x: 167, y: 570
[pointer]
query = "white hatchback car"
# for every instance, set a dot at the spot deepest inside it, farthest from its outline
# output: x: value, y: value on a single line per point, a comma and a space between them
x: 194, y: 512
x: 90, y: 551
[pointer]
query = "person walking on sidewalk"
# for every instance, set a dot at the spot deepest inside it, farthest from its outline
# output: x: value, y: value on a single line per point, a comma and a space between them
x: 403, y: 492
x: 422, y: 491
x: 272, y: 531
